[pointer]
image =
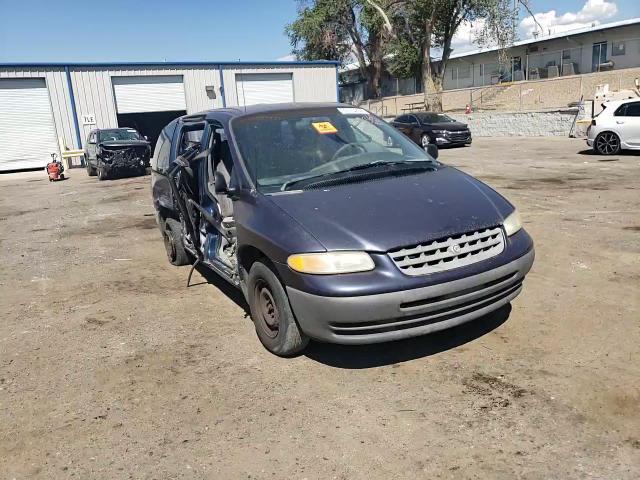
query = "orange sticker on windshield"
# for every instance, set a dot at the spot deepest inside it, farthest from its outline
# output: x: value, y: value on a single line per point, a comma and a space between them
x: 324, y: 127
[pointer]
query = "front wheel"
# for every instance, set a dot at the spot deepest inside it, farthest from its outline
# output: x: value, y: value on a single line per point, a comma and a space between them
x: 607, y: 143
x: 91, y: 171
x: 271, y: 313
x: 425, y: 141
x: 173, y: 244
x: 102, y: 172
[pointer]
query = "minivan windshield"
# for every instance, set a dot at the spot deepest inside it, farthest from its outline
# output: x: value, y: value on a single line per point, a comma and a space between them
x: 282, y: 149
x: 117, y: 135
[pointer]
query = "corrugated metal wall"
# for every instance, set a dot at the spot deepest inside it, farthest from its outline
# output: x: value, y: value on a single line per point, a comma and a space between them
x: 58, y: 94
x: 311, y: 83
x: 93, y: 90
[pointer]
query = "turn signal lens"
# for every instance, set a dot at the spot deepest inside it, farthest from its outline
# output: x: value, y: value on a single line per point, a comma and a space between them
x: 331, y: 263
x: 512, y: 223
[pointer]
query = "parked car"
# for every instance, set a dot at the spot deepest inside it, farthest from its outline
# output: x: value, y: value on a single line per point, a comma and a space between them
x: 437, y: 128
x: 334, y: 225
x: 616, y: 127
x: 116, y: 150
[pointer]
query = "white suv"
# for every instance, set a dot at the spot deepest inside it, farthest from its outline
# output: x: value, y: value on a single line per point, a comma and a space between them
x: 616, y: 127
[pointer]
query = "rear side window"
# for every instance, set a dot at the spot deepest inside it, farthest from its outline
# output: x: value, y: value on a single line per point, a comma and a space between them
x: 633, y: 109
x: 621, y: 111
x: 161, y: 154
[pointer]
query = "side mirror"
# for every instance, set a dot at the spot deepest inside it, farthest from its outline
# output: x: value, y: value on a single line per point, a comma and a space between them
x: 221, y: 186
x: 220, y: 183
x: 432, y: 150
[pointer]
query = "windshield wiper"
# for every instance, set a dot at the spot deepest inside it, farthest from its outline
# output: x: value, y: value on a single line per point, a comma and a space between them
x: 365, y: 166
x: 385, y: 163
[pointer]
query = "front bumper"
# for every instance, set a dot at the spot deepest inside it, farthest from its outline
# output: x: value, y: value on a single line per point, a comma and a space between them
x: 408, y: 313
x: 443, y: 141
x: 117, y: 162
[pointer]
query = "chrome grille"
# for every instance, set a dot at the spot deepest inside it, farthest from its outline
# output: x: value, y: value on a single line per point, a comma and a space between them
x: 449, y: 253
x: 459, y: 136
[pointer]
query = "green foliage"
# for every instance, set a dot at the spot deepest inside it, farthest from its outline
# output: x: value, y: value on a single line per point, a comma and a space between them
x: 405, y: 61
x: 414, y: 20
x: 321, y: 30
x: 370, y: 30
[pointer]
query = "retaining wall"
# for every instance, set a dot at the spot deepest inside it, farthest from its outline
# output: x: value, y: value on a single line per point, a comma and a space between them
x: 545, y: 94
x: 519, y: 124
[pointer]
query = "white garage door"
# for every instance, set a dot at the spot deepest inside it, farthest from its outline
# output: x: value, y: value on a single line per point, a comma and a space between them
x: 254, y: 88
x: 27, y: 131
x: 158, y: 93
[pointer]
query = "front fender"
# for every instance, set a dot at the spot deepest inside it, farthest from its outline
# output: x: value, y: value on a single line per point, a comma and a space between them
x: 261, y: 224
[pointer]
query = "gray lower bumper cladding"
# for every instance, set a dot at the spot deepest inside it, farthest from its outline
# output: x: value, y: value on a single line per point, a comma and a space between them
x: 409, y: 313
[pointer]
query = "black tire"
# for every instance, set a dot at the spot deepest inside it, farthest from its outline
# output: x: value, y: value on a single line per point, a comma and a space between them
x: 271, y: 313
x: 607, y: 143
x: 102, y: 173
x: 91, y: 171
x: 172, y: 236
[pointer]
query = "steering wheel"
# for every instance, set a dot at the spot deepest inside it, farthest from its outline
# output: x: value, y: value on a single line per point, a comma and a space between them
x: 342, y: 149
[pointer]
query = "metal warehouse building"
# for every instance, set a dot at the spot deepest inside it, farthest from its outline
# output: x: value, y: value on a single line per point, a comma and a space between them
x: 47, y: 108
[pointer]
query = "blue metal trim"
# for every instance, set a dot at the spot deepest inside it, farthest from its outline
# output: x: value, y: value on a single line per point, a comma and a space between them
x: 74, y: 112
x: 337, y: 85
x: 222, y: 92
x: 173, y: 64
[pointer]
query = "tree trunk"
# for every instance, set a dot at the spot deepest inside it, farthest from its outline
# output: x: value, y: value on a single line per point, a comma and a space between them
x: 432, y: 89
x: 359, y: 49
x: 375, y: 54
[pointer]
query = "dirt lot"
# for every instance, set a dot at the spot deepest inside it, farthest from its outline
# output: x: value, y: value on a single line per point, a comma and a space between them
x: 111, y: 368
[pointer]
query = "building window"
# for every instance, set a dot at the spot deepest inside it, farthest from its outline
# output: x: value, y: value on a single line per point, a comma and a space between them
x: 464, y: 71
x: 617, y: 49
x: 599, y: 56
x: 566, y: 54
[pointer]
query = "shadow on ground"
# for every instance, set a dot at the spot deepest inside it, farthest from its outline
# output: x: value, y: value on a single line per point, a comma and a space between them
x: 379, y: 354
x: 234, y: 294
x: 606, y: 158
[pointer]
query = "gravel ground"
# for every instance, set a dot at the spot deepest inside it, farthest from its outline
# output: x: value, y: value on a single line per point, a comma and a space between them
x: 111, y: 368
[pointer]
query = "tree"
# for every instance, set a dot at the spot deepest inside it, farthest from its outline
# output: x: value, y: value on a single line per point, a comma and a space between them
x: 417, y: 27
x: 340, y: 30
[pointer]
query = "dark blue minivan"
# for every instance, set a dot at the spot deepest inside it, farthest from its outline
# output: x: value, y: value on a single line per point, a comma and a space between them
x: 334, y: 225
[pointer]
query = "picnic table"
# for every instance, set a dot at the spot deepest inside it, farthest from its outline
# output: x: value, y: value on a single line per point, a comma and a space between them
x: 410, y: 107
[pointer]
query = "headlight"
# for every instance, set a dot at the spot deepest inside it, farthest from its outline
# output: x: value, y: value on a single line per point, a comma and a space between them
x: 439, y: 132
x: 512, y: 223
x: 328, y: 263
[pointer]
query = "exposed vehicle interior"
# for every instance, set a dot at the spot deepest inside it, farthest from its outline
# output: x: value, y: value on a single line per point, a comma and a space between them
x: 210, y: 233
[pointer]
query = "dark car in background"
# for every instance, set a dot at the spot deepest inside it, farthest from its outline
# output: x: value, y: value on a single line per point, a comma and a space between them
x: 436, y: 128
x: 116, y: 151
x: 334, y: 225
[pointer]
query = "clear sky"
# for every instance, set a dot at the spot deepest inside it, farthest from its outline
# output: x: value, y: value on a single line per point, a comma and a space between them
x: 130, y: 30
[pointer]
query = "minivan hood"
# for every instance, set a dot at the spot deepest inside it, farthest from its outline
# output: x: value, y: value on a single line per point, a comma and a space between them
x: 380, y: 215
